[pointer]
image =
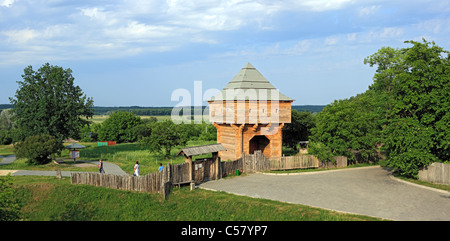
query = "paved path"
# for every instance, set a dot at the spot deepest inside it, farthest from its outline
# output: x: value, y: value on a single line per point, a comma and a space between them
x: 368, y: 191
x: 109, y: 168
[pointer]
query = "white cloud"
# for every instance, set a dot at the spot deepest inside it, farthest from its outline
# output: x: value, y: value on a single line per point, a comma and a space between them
x: 140, y: 32
x: 6, y: 3
x: 332, y: 40
x: 324, y: 5
x: 122, y: 27
x: 391, y: 32
x: 20, y: 36
x: 93, y: 13
x: 366, y: 11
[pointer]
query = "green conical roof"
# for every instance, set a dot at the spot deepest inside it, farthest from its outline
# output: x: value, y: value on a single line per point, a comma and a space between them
x: 250, y: 84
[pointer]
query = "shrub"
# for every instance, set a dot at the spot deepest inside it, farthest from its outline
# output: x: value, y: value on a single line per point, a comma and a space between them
x: 5, y: 137
x: 9, y: 206
x: 119, y: 127
x: 38, y: 149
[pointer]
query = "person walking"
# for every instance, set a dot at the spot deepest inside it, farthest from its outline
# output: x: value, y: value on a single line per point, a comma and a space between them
x: 136, y: 169
x: 161, y: 167
x: 100, y: 167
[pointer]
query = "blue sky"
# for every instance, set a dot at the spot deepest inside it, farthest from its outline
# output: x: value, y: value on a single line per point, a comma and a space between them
x: 126, y: 53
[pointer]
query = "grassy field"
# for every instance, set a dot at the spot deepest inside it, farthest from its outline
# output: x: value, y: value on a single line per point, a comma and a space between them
x: 100, y: 118
x: 124, y: 155
x: 48, y: 198
x: 6, y: 150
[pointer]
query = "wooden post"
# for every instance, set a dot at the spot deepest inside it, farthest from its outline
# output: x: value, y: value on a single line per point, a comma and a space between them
x: 58, y: 174
x: 215, y: 156
x: 191, y: 169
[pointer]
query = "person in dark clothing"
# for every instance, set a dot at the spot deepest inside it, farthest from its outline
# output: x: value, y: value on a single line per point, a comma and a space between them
x: 100, y: 167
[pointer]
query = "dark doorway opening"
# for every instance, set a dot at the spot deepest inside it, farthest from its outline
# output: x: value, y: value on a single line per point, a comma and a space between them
x: 258, y: 143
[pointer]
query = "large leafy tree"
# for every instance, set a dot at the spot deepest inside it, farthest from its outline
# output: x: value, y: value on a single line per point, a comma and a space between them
x: 165, y: 135
x: 417, y: 131
x: 48, y: 102
x: 406, y: 110
x: 348, y: 127
x: 119, y: 127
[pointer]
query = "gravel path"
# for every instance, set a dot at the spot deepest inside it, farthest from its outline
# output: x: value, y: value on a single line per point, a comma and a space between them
x: 368, y: 191
x: 109, y: 168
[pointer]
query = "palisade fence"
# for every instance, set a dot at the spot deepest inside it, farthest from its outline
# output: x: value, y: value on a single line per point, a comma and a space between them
x: 162, y: 182
x: 436, y: 172
x: 293, y: 162
x: 152, y: 183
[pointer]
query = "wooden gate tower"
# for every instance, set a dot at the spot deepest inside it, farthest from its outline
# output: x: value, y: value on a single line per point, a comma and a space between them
x: 249, y: 114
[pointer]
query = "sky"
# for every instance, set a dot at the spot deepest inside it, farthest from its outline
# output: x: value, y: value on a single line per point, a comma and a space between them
x: 142, y: 52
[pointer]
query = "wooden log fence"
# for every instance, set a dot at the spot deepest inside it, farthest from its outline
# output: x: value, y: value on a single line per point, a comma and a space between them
x: 293, y: 162
x: 162, y: 182
x: 151, y: 183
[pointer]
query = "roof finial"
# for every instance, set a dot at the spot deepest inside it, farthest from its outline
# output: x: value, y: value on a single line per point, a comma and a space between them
x: 248, y: 66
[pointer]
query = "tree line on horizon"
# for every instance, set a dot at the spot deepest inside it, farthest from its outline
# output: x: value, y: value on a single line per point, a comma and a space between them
x: 162, y: 111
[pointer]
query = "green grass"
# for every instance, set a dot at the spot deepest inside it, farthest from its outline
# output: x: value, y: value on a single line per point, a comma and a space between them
x: 6, y: 150
x: 20, y: 164
x: 125, y: 155
x: 428, y: 184
x: 48, y: 198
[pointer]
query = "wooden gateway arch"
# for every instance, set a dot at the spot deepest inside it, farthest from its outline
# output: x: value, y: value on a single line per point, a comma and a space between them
x: 249, y: 115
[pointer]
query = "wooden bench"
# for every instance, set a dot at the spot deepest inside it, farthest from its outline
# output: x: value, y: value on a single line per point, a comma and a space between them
x: 180, y: 183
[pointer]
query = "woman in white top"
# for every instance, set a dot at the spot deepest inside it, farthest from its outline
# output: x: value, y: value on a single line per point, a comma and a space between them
x: 136, y: 169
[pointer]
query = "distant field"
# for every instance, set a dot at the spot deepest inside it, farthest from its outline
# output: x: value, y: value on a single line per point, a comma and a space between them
x: 100, y: 118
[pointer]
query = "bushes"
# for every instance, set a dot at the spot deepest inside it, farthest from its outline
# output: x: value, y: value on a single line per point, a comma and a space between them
x: 38, y: 149
x: 119, y: 127
x: 5, y: 137
x: 9, y: 206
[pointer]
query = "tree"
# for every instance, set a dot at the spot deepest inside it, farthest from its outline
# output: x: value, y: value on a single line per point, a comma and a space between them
x: 48, y: 102
x: 165, y: 135
x: 389, y: 62
x: 417, y: 131
x: 38, y: 149
x: 299, y: 129
x: 119, y: 127
x: 349, y: 127
x: 7, y: 119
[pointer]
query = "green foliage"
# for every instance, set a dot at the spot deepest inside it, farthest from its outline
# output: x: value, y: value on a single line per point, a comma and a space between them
x: 45, y: 199
x: 418, y: 132
x: 349, y: 125
x: 9, y: 206
x: 165, y: 135
x: 408, y: 144
x: 7, y: 119
x: 5, y: 137
x: 299, y: 129
x: 48, y: 102
x: 119, y: 127
x: 38, y: 149
x: 406, y: 110
x: 321, y: 151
